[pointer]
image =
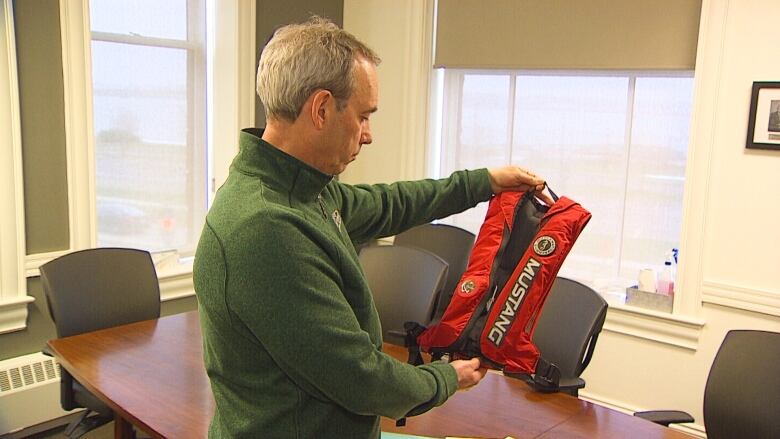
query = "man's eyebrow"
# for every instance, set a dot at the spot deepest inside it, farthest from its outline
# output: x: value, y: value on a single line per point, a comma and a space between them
x: 371, y: 110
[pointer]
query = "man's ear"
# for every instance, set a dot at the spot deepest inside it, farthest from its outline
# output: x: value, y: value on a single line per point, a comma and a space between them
x: 320, y: 101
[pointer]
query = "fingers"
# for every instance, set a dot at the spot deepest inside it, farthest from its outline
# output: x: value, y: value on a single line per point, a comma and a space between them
x: 527, y: 177
x: 547, y: 200
x: 540, y: 194
x: 469, y: 372
x: 516, y: 179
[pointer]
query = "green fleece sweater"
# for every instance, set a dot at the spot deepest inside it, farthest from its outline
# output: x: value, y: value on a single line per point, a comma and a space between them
x: 291, y: 337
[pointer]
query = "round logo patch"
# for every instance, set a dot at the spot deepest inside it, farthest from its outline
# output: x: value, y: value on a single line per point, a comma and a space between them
x: 467, y: 286
x: 544, y: 245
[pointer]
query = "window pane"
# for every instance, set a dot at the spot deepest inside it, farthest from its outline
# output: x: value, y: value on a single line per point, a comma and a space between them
x: 149, y: 18
x: 572, y: 130
x: 148, y: 152
x: 485, y: 115
x: 481, y: 136
x: 659, y: 143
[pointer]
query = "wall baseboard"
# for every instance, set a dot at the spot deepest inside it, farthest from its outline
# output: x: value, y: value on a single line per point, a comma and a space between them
x: 696, y: 430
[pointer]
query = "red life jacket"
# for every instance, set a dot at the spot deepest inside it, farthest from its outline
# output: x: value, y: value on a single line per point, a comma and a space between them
x: 516, y: 257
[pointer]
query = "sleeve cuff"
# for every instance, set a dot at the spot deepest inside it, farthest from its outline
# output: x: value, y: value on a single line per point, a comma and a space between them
x: 479, y: 185
x: 446, y: 386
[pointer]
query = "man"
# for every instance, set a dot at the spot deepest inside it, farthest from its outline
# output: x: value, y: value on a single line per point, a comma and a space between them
x: 292, y: 342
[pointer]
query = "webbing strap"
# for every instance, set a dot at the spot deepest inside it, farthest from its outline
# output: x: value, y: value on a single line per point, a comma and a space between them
x: 552, y: 194
x: 413, y: 330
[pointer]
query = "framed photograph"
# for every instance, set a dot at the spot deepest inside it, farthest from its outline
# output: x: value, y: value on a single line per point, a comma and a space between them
x: 764, y: 121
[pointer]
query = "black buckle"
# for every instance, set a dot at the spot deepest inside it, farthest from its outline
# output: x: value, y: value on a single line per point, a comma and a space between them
x: 547, y: 376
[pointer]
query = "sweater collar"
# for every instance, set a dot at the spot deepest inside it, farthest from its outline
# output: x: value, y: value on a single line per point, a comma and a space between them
x: 277, y: 168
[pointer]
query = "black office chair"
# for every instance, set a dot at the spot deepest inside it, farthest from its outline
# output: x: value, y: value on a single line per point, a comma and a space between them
x: 450, y: 243
x: 742, y: 391
x: 404, y: 282
x: 95, y: 289
x: 568, y: 328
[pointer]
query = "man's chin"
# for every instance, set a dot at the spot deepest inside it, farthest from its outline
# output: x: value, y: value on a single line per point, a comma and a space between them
x: 343, y: 166
x: 341, y: 169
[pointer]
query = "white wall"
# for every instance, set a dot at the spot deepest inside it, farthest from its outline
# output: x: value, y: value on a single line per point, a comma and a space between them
x: 731, y: 275
x: 396, y: 30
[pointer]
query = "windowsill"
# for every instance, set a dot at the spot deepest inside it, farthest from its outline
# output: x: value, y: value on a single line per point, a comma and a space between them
x: 650, y: 323
x: 175, y: 276
x: 174, y: 267
x: 13, y: 314
x: 676, y: 330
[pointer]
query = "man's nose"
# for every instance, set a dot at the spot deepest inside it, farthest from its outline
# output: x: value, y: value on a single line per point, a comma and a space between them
x: 365, y: 137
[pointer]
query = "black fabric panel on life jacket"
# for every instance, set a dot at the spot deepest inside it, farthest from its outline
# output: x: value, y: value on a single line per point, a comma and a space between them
x: 526, y: 223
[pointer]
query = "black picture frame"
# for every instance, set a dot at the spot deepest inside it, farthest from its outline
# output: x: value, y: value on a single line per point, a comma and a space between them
x: 764, y: 121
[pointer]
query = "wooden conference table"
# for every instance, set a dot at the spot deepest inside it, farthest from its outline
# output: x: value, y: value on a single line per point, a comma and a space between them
x: 151, y: 373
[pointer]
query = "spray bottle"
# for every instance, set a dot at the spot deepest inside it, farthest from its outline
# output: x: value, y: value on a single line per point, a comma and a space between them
x: 667, y: 274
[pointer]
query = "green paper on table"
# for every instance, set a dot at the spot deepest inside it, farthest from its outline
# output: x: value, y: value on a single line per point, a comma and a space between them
x: 388, y: 435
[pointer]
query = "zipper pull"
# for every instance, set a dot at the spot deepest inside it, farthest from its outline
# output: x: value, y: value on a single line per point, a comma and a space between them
x: 322, y: 207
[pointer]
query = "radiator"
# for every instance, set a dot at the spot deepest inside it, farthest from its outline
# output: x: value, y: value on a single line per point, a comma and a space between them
x: 29, y: 392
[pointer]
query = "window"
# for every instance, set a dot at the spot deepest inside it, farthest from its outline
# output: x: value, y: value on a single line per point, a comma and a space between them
x: 614, y: 141
x: 150, y: 123
x: 155, y: 96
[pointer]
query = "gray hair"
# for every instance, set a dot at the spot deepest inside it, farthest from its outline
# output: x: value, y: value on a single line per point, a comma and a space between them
x: 302, y: 58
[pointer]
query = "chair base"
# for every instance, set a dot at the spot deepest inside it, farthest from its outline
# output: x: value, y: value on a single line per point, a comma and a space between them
x: 85, y: 423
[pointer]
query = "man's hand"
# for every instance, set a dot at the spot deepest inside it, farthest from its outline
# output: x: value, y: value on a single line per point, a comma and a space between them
x: 513, y: 178
x: 469, y: 372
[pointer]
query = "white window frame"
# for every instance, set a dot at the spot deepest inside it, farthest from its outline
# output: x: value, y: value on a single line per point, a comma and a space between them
x: 231, y: 83
x: 13, y: 285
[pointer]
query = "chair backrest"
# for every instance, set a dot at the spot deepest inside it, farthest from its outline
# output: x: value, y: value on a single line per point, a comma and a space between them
x: 450, y: 243
x: 99, y: 288
x: 403, y: 282
x: 742, y: 395
x: 569, y: 325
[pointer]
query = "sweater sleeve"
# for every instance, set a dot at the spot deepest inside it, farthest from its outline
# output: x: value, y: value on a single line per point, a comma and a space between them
x: 302, y: 315
x: 372, y: 211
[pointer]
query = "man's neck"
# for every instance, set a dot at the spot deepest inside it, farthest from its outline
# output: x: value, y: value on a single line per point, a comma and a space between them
x: 292, y: 139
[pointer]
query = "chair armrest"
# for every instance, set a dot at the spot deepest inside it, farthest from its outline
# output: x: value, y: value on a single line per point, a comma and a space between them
x: 571, y: 383
x: 571, y: 386
x: 665, y: 417
x: 565, y: 385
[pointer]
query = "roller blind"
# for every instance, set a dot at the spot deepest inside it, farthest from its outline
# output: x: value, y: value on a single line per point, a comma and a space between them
x: 567, y: 34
